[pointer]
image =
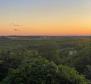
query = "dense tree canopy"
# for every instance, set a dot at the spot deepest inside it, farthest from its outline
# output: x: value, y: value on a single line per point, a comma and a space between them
x: 66, y: 61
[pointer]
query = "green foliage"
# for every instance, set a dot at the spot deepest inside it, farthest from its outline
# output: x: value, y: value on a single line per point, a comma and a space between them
x: 87, y: 72
x: 72, y: 75
x: 41, y: 71
x: 58, y: 61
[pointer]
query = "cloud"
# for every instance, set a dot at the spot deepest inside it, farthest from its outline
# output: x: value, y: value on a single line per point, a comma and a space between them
x: 17, y: 25
x: 16, y: 29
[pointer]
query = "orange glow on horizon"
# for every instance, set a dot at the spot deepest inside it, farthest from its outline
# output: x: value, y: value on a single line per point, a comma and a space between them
x: 48, y: 30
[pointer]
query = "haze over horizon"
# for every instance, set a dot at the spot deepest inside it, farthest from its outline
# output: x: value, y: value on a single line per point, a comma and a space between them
x: 45, y: 17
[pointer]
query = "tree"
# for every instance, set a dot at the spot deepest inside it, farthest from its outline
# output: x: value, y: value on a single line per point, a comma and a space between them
x: 41, y: 71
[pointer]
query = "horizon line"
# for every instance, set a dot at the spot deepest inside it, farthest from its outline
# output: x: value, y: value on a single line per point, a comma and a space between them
x: 43, y: 35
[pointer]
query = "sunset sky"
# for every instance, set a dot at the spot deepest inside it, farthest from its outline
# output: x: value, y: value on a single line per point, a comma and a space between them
x: 45, y: 17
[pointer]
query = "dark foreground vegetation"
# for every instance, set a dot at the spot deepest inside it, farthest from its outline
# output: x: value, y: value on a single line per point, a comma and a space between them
x: 44, y: 60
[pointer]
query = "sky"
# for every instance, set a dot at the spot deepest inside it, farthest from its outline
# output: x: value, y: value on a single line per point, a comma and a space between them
x: 45, y: 17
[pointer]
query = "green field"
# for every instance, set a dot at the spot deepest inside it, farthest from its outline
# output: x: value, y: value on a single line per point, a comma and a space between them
x: 50, y: 60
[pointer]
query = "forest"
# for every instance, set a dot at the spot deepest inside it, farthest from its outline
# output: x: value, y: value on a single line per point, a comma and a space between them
x: 45, y: 60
